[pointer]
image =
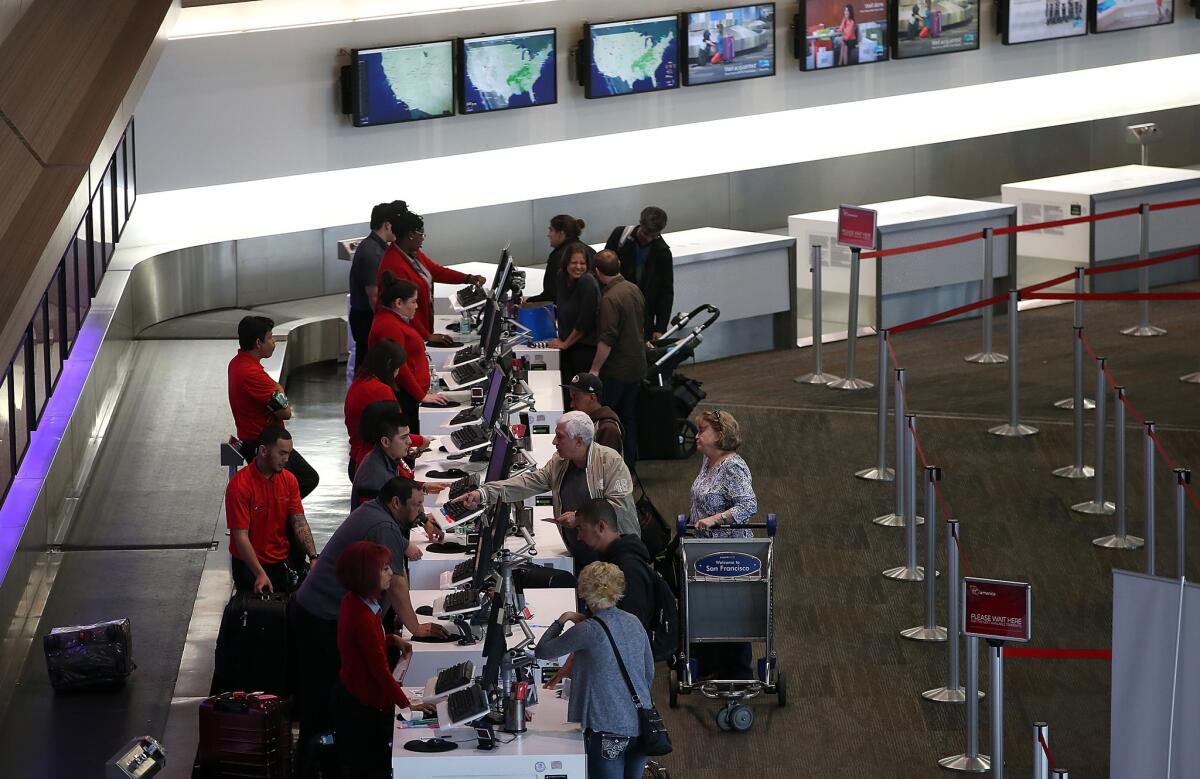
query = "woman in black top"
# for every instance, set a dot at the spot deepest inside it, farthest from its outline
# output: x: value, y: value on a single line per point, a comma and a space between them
x: 577, y: 301
x: 564, y: 231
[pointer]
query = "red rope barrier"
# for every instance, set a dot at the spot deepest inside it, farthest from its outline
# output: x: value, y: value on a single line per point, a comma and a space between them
x: 943, y: 505
x: 962, y: 559
x: 1074, y: 220
x: 1046, y: 749
x: 1048, y: 283
x: 891, y: 354
x: 1175, y: 204
x: 928, y: 320
x: 1131, y: 264
x: 1111, y: 296
x: 920, y: 247
x: 1046, y: 653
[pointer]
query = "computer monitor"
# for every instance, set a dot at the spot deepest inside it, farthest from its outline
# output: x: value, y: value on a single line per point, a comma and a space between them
x: 402, y: 83
x: 492, y: 532
x: 501, y: 459
x: 505, y: 258
x: 1027, y: 21
x: 495, y: 645
x: 627, y: 57
x: 836, y: 33
x: 490, y: 330
x: 500, y: 72
x: 504, y: 274
x: 922, y: 28
x: 730, y: 44
x: 494, y: 397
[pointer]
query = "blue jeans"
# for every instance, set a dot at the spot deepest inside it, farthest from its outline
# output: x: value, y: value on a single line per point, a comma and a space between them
x: 612, y: 757
x: 622, y: 398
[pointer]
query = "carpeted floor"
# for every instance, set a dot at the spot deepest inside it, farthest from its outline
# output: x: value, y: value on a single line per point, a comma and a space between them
x: 854, y: 701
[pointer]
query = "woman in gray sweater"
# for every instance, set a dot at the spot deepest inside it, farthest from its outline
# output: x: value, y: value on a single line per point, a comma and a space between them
x: 600, y: 700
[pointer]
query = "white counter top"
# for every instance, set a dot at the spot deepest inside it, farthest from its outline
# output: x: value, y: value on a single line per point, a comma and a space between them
x: 915, y: 212
x: 1110, y: 180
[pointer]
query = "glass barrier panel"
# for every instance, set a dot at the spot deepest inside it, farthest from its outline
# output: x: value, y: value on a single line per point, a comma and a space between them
x: 131, y: 154
x: 7, y: 447
x: 56, y: 316
x: 39, y: 347
x: 121, y: 163
x: 20, y: 403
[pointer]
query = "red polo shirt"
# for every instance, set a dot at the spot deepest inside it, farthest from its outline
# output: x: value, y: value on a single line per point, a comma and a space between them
x: 261, y: 505
x: 363, y: 648
x: 395, y: 261
x: 413, y: 378
x: 250, y: 389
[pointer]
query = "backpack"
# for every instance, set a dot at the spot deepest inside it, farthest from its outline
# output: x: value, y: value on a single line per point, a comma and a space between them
x: 660, y: 542
x: 664, y: 633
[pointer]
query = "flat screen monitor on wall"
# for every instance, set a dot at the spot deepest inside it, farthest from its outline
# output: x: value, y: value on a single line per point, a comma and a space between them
x: 1113, y: 15
x: 924, y: 27
x: 624, y: 58
x: 730, y: 44
x: 403, y: 83
x: 1026, y: 21
x: 837, y: 33
x: 498, y: 72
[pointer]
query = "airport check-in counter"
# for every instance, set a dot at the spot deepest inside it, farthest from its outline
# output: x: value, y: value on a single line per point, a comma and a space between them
x: 904, y: 287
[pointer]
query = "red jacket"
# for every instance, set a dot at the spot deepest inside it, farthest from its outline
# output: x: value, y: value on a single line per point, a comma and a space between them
x: 362, y: 393
x: 365, y: 673
x: 413, y: 378
x: 394, y: 261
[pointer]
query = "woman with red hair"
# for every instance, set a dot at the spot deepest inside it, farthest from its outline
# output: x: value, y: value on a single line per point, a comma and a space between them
x: 366, y: 695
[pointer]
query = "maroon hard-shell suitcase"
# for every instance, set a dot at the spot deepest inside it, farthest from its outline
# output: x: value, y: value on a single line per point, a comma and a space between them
x: 245, y: 736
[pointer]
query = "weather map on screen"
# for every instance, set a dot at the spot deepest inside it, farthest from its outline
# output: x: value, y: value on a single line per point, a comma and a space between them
x: 508, y: 71
x: 634, y: 56
x: 404, y: 83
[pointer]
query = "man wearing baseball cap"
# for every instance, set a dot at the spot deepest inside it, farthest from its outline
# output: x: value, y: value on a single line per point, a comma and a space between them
x: 585, y: 390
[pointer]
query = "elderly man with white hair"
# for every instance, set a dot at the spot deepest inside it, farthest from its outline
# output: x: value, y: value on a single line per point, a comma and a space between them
x: 579, y: 471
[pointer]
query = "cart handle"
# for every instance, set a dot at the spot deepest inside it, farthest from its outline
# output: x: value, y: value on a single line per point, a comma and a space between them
x: 682, y: 528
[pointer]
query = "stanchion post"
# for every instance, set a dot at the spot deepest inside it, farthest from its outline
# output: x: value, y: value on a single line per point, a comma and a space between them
x: 1014, y: 428
x: 930, y: 631
x: 850, y: 382
x: 1191, y: 378
x: 896, y: 518
x: 1098, y: 505
x: 1077, y: 470
x: 1143, y: 328
x: 1148, y: 499
x: 1120, y: 539
x: 1060, y: 773
x: 996, y: 711
x: 1077, y: 347
x: 818, y: 375
x: 1183, y: 477
x: 910, y: 571
x: 1041, y: 764
x: 988, y: 356
x: 953, y: 692
x: 970, y: 761
x: 881, y: 472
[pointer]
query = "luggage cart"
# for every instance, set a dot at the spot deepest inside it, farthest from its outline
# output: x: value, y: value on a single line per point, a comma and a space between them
x: 726, y: 595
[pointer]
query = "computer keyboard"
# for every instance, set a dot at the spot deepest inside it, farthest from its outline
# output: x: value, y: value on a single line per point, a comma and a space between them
x: 454, y: 676
x: 466, y: 353
x: 468, y: 705
x: 457, y: 601
x: 463, y: 485
x: 470, y: 296
x: 463, y: 571
x: 459, y: 511
x: 465, y: 374
x: 467, y: 437
x: 472, y: 414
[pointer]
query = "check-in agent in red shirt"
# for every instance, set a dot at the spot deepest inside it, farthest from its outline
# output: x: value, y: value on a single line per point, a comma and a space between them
x: 362, y: 393
x: 262, y: 506
x: 250, y: 390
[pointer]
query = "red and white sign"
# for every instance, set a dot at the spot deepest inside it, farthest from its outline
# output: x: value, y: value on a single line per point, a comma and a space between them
x: 996, y: 610
x: 856, y: 227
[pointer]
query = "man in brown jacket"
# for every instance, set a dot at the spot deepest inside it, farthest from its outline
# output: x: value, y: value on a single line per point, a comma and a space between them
x: 585, y: 389
x: 620, y: 359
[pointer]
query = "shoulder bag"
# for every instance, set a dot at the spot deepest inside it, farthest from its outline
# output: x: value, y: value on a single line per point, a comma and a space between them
x: 653, y: 738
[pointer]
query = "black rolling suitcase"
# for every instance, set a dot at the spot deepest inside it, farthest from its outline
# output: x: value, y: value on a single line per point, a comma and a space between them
x: 252, y: 646
x: 663, y: 434
x: 86, y: 656
x: 244, y: 735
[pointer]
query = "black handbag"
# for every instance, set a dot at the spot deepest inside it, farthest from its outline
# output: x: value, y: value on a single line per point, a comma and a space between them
x: 653, y: 738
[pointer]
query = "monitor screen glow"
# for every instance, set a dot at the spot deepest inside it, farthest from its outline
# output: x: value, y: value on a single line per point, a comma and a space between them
x: 838, y: 33
x: 625, y: 58
x: 499, y: 72
x: 403, y: 83
x: 1113, y: 15
x: 730, y: 44
x: 1026, y: 21
x: 921, y: 28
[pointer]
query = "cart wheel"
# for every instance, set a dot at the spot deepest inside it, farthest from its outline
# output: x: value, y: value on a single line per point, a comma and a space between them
x: 686, y: 438
x: 771, y: 525
x: 673, y: 690
x: 741, y: 718
x: 723, y: 719
x: 781, y: 689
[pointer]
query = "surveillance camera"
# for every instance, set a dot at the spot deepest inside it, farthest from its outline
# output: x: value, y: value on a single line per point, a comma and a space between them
x: 1143, y: 132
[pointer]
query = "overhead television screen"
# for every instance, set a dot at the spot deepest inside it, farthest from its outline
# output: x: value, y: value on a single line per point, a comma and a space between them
x: 403, y: 83
x: 1025, y: 21
x: 924, y: 27
x: 1112, y: 15
x: 837, y: 33
x: 623, y: 58
x: 499, y: 72
x: 730, y: 44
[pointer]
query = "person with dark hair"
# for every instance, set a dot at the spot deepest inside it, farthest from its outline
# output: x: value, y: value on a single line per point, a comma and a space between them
x: 257, y: 401
x: 585, y: 390
x: 564, y: 233
x: 396, y: 320
x: 847, y: 32
x: 405, y: 260
x: 365, y: 693
x: 577, y: 300
x: 261, y: 501
x: 620, y: 360
x: 374, y: 382
x: 646, y: 261
x: 364, y: 268
x: 317, y: 604
x: 389, y: 429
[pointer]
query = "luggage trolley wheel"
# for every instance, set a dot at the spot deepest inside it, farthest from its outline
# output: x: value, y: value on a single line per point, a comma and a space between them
x: 735, y: 717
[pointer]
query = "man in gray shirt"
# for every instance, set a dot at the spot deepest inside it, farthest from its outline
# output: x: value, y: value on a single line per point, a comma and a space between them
x: 363, y: 269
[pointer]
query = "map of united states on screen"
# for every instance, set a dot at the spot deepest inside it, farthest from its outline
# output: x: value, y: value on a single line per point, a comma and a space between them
x: 404, y: 83
x: 639, y: 56
x: 509, y: 71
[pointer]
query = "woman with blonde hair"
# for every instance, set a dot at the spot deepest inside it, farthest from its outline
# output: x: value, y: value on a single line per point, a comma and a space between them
x: 600, y: 700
